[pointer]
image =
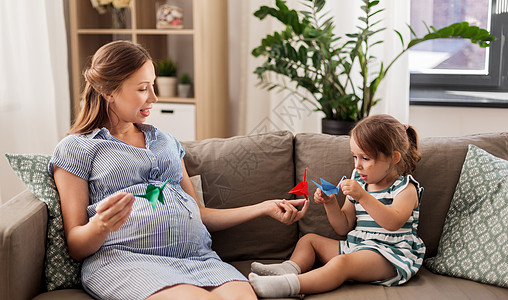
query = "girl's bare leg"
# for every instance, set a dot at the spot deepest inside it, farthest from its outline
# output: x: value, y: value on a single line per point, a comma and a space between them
x: 362, y: 266
x: 234, y: 290
x: 309, y: 248
x: 312, y: 247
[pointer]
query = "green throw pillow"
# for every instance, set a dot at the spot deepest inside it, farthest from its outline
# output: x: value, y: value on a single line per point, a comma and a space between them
x: 60, y: 269
x: 475, y: 234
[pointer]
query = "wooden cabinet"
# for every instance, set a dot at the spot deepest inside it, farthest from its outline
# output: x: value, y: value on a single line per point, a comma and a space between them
x: 200, y: 49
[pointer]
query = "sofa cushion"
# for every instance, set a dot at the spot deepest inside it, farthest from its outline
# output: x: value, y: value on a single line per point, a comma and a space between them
x: 438, y: 172
x: 424, y: 285
x: 60, y: 269
x: 196, y: 183
x: 475, y: 233
x: 324, y: 156
x: 241, y: 171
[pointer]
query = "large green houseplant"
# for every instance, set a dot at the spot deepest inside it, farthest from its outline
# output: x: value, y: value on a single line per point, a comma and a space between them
x: 313, y: 57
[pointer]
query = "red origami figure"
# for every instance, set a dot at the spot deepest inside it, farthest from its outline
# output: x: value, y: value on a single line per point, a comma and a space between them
x: 302, y: 188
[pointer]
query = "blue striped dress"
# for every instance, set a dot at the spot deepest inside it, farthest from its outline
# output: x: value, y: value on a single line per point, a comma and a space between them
x: 403, y: 248
x: 153, y: 249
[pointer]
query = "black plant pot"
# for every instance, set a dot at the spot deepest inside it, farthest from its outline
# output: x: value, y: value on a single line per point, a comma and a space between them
x: 336, y: 127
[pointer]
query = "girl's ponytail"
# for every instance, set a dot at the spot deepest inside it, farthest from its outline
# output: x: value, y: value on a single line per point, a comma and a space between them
x: 413, y: 155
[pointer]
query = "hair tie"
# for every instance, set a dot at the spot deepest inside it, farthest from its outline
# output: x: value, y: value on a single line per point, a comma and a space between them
x: 406, y: 126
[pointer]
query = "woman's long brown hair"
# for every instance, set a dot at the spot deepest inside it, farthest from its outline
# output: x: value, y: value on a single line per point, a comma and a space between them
x: 111, y: 65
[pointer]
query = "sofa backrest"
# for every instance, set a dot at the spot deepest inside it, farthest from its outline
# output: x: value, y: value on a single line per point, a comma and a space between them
x: 328, y: 157
x: 245, y: 170
x: 439, y: 171
x: 241, y: 171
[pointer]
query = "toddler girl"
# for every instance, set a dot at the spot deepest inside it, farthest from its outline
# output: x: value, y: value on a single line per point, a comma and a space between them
x: 379, y: 217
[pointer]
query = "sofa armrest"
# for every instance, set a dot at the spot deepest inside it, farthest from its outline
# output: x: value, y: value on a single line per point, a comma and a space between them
x: 23, y: 222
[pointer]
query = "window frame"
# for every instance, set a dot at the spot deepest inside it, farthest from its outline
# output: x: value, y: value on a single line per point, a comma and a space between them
x: 437, y: 85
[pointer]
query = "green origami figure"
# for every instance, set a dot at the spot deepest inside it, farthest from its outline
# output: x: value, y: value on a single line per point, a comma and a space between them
x: 154, y: 194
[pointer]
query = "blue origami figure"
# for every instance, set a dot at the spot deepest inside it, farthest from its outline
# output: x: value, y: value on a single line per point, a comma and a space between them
x: 329, y: 188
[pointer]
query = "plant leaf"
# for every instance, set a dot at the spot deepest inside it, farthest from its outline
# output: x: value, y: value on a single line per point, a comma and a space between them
x: 411, y: 29
x: 400, y: 37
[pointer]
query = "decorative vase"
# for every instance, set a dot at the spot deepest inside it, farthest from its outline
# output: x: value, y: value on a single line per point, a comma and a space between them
x: 336, y: 127
x: 119, y: 18
x: 169, y: 16
x: 184, y: 90
x: 166, y: 86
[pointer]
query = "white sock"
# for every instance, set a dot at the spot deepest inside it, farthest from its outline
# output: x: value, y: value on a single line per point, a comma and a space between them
x: 286, y: 267
x: 286, y: 285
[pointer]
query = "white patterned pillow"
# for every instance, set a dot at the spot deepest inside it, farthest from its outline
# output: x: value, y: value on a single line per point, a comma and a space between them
x: 196, y: 183
x: 475, y: 233
x: 60, y: 269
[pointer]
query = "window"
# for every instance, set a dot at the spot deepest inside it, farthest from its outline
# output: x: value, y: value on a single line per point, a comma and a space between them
x: 455, y: 71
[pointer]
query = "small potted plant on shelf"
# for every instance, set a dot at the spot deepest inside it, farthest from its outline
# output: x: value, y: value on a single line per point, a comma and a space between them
x: 311, y: 56
x: 166, y: 77
x: 185, y: 86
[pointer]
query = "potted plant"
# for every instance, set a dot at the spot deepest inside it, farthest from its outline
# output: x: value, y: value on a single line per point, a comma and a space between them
x: 185, y: 86
x: 313, y: 57
x: 166, y: 77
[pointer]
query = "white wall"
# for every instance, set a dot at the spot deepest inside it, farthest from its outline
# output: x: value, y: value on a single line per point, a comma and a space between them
x: 34, y: 88
x: 457, y: 121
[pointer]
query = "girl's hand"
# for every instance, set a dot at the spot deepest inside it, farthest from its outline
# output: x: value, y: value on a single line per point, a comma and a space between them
x: 285, y: 211
x: 352, y: 188
x: 321, y: 198
x: 114, y: 211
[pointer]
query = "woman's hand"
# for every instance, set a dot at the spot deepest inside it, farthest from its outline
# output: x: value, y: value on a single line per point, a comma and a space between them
x: 285, y: 211
x: 321, y: 198
x: 114, y: 211
x: 281, y: 210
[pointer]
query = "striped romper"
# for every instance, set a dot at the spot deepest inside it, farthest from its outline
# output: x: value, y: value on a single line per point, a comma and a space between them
x: 153, y: 249
x: 403, y: 248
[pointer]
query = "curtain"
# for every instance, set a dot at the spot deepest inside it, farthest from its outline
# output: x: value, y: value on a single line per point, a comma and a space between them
x: 34, y: 83
x: 257, y: 110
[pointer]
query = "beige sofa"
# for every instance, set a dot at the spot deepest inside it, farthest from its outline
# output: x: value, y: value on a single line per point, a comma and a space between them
x: 247, y: 169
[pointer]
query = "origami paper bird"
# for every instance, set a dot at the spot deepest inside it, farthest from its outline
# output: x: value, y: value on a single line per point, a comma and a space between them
x: 154, y: 194
x: 302, y: 188
x: 329, y: 188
